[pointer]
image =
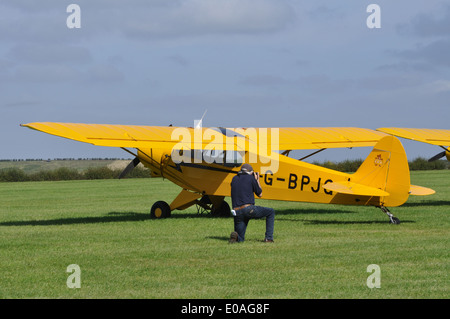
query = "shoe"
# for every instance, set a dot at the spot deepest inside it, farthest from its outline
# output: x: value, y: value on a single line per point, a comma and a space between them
x: 268, y: 240
x: 233, y: 238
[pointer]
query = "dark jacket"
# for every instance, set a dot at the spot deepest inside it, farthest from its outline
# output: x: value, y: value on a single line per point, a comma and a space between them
x: 243, y: 188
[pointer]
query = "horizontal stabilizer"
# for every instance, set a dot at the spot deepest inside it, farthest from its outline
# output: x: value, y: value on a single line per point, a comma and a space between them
x: 354, y: 189
x: 421, y: 191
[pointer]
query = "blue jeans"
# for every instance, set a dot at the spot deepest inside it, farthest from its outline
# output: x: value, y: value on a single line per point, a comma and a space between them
x: 253, y: 212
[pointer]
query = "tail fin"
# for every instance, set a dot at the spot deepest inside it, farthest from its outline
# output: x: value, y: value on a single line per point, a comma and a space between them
x: 387, y: 169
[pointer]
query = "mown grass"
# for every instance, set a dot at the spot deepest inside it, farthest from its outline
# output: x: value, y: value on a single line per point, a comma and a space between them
x: 320, y: 251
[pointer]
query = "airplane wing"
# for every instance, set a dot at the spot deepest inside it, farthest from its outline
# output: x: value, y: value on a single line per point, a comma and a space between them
x: 134, y: 136
x: 430, y: 136
x: 105, y: 135
x: 299, y: 138
x: 308, y: 138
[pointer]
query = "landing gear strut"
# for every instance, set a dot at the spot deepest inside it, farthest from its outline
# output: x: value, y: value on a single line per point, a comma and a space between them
x: 393, y: 220
x: 216, y: 206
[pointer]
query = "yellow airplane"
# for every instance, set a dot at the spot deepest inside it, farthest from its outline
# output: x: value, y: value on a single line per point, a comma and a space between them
x: 202, y: 161
x: 430, y: 136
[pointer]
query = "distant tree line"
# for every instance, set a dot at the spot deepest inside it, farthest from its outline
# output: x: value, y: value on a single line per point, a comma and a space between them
x: 64, y: 173
x: 63, y: 159
x: 419, y: 164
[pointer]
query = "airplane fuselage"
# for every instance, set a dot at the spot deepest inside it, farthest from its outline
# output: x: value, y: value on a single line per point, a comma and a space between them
x: 293, y: 180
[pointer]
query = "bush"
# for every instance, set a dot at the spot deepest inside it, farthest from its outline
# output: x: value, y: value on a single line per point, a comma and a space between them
x: 348, y: 166
x: 138, y: 172
x: 64, y: 173
x: 13, y: 175
x: 100, y: 173
x: 418, y: 164
x: 421, y: 164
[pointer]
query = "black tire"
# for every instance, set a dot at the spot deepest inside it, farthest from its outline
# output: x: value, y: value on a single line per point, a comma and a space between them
x: 222, y: 211
x: 159, y: 210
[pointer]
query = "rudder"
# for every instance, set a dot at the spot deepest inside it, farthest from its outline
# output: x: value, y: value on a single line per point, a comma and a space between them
x: 386, y: 168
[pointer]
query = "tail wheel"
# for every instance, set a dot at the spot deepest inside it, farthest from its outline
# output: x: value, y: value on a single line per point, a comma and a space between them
x: 159, y: 210
x: 392, y: 219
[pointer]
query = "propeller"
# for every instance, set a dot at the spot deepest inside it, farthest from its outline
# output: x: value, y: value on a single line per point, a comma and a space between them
x: 437, y: 156
x: 130, y: 167
x: 440, y: 155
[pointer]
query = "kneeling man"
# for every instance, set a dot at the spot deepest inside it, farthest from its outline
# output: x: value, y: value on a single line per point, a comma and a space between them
x: 243, y: 187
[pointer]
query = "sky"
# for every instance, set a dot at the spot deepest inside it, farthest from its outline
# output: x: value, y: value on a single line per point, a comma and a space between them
x: 249, y: 63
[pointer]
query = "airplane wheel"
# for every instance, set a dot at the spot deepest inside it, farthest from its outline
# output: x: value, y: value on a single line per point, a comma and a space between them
x: 159, y: 210
x: 395, y: 221
x: 222, y: 211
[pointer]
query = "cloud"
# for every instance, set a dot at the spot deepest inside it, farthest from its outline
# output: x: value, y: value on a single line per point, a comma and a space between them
x: 326, y: 13
x: 390, y: 82
x: 406, y: 67
x: 36, y: 22
x: 32, y: 73
x: 35, y: 6
x: 426, y: 25
x: 45, y: 21
x: 438, y: 86
x: 49, y: 54
x: 205, y: 17
x: 105, y: 73
x: 323, y: 85
x: 178, y: 60
x: 436, y: 53
x: 431, y: 54
x: 54, y: 63
x: 264, y: 80
x: 20, y: 104
x: 61, y: 74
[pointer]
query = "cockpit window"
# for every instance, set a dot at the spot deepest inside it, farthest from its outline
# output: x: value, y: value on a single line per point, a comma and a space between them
x: 226, y: 158
x: 227, y: 132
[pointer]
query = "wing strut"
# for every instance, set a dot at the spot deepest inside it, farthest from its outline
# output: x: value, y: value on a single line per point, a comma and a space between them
x: 316, y: 152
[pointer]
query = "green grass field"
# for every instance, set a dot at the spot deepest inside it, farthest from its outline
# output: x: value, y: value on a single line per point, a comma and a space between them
x: 320, y: 251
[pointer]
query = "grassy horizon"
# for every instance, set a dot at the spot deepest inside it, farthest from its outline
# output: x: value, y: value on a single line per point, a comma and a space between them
x: 320, y: 251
